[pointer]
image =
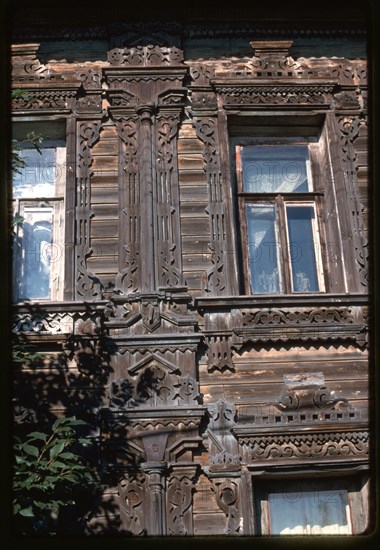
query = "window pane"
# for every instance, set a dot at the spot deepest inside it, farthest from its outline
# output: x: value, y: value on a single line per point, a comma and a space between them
x: 302, y: 251
x: 309, y: 513
x: 262, y: 248
x: 275, y: 168
x: 37, y: 176
x: 36, y: 245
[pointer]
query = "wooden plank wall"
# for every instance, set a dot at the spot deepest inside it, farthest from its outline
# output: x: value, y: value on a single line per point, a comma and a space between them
x: 104, y: 204
x: 195, y: 233
x: 259, y: 375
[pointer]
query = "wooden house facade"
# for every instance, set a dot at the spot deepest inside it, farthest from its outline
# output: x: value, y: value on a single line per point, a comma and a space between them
x: 193, y: 263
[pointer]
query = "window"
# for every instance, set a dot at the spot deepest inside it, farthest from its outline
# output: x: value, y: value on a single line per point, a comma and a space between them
x: 314, y: 506
x: 278, y: 205
x: 38, y: 200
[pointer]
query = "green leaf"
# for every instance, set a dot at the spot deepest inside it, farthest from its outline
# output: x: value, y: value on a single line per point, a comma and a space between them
x: 27, y: 512
x: 58, y: 447
x: 37, y: 435
x: 30, y: 450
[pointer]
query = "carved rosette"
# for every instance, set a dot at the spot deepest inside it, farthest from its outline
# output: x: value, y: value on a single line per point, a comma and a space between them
x: 349, y: 127
x: 88, y: 286
x: 215, y: 277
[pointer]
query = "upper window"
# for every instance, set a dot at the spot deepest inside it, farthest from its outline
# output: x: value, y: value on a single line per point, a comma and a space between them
x: 38, y: 204
x: 279, y: 218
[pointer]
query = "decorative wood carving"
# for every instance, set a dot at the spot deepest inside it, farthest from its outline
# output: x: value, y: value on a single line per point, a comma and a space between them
x: 131, y: 502
x: 216, y: 276
x: 179, y: 501
x: 349, y: 131
x: 315, y: 324
x: 219, y: 352
x: 308, y: 391
x: 167, y: 201
x: 155, y: 387
x: 145, y: 56
x: 88, y: 286
x: 328, y: 446
x: 278, y: 94
x: 42, y: 99
x: 129, y: 202
x: 57, y: 322
x: 226, y: 492
x: 223, y: 451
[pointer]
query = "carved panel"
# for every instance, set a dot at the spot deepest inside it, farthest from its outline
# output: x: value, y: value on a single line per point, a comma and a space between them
x: 223, y: 450
x: 155, y: 386
x: 349, y: 444
x: 219, y: 353
x: 227, y: 492
x: 131, y: 494
x: 277, y: 94
x: 179, y: 503
x: 88, y: 286
x: 315, y: 324
x: 44, y: 100
x: 145, y: 56
x: 56, y: 322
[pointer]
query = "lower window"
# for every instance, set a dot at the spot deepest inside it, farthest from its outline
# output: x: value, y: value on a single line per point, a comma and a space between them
x: 311, y: 506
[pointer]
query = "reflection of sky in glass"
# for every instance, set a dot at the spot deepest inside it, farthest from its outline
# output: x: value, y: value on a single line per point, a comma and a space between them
x: 301, y: 243
x: 36, y: 252
x: 275, y: 168
x: 309, y: 513
x: 262, y: 248
x: 37, y: 177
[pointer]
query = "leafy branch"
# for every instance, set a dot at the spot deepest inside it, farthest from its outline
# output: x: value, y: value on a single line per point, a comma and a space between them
x: 49, y: 471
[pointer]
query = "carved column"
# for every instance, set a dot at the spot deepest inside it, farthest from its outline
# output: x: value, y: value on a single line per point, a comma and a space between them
x: 154, y: 472
x: 148, y: 283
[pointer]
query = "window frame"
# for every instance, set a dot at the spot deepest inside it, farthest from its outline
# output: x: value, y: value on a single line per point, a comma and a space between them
x: 314, y: 196
x: 355, y: 483
x: 57, y: 203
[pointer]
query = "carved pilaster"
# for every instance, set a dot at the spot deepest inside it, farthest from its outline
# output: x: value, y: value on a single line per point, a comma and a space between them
x: 127, y: 280
x: 88, y: 286
x: 216, y: 276
x: 349, y: 131
x: 167, y: 201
